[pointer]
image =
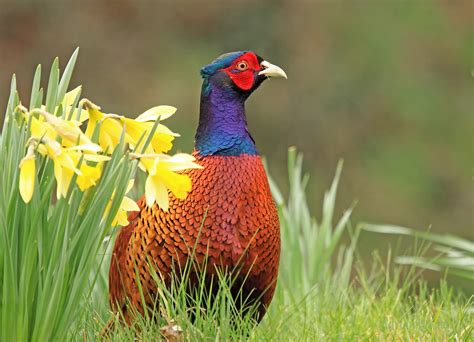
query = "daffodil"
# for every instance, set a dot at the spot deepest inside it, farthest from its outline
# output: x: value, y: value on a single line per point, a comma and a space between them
x: 74, y: 154
x: 127, y: 204
x: 110, y: 128
x: 67, y: 103
x: 38, y: 128
x: 163, y: 137
x: 89, y: 176
x: 27, y: 174
x: 41, y: 128
x: 138, y: 131
x: 163, y: 176
x: 68, y: 130
x: 44, y: 124
x: 78, y: 115
x: 67, y: 153
x: 66, y: 164
x: 155, y: 113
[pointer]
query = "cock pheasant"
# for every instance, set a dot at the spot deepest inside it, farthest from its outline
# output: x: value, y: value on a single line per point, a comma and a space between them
x: 229, y: 218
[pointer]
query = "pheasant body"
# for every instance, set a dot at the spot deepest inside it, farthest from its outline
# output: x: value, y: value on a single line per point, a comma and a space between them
x: 228, y: 210
x: 228, y: 220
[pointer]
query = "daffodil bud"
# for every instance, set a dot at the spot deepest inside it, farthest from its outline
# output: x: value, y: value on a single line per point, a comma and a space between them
x: 28, y: 174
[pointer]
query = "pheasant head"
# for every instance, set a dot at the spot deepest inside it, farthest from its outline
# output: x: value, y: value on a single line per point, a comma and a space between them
x: 228, y: 82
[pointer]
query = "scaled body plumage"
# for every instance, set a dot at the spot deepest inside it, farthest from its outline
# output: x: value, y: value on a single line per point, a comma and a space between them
x: 239, y: 225
x: 229, y: 215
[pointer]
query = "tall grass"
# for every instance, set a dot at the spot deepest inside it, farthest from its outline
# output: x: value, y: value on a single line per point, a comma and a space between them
x: 309, y: 246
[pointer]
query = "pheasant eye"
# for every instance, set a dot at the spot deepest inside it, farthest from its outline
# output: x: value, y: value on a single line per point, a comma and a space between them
x: 242, y: 66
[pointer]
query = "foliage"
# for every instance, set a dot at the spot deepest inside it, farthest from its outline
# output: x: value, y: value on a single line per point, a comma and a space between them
x: 69, y: 192
x: 453, y: 254
x: 309, y: 247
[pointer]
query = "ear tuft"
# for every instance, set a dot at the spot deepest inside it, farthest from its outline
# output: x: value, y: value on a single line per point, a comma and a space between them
x: 205, y: 71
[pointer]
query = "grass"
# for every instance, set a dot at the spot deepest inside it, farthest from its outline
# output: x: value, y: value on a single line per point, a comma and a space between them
x: 451, y: 253
x: 356, y: 314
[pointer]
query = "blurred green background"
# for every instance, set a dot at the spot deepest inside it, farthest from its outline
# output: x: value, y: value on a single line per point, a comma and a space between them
x: 385, y: 85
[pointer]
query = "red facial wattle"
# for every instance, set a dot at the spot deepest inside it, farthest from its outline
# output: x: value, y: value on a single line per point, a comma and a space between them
x: 244, y: 79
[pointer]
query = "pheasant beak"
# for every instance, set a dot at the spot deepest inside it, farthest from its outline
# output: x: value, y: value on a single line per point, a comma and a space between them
x: 271, y: 70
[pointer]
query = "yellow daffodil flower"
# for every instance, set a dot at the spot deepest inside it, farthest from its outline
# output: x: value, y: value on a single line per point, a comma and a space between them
x: 66, y: 105
x: 162, y: 176
x: 89, y: 176
x: 73, y: 152
x: 136, y: 130
x: 68, y: 101
x: 41, y: 128
x: 27, y: 174
x: 163, y: 137
x: 161, y: 141
x: 44, y: 124
x: 126, y: 205
x: 66, y: 162
x: 110, y: 128
x: 68, y: 130
x: 152, y: 114
x: 65, y: 165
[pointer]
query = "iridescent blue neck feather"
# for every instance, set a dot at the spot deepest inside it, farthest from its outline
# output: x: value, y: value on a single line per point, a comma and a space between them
x: 222, y: 126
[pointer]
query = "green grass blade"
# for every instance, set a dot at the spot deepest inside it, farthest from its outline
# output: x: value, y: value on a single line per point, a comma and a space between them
x: 52, y: 93
x: 67, y: 74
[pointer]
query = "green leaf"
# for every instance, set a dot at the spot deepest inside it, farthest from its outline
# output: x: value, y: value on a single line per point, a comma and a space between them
x: 67, y: 74
x: 444, y: 239
x: 35, y: 87
x: 52, y: 93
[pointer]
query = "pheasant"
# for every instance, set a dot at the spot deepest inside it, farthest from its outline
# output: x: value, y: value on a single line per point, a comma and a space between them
x: 228, y: 220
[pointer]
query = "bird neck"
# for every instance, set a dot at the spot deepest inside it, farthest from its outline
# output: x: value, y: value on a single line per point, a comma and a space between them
x: 222, y: 126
